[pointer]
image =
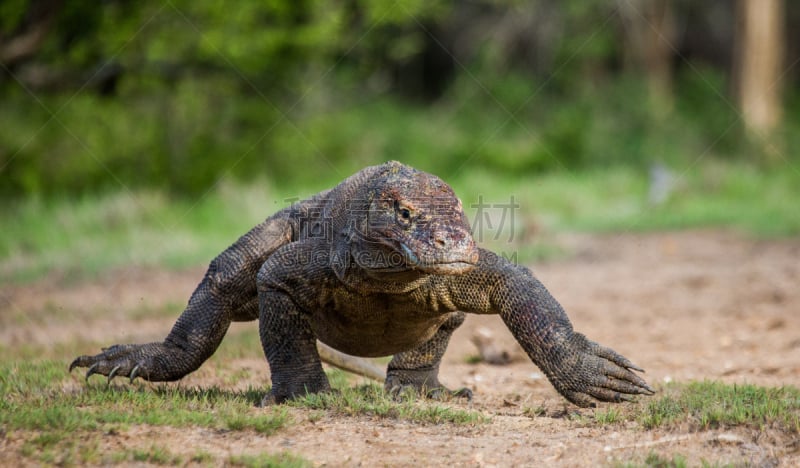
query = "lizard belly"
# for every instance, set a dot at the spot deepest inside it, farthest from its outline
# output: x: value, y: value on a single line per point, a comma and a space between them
x: 375, y: 325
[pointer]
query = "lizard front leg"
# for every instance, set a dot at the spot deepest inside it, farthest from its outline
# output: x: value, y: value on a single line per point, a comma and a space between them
x: 580, y: 370
x: 194, y: 337
x: 290, y: 347
x: 226, y: 293
x: 419, y: 368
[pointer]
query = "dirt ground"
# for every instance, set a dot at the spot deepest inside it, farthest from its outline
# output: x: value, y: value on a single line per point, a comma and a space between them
x: 685, y: 306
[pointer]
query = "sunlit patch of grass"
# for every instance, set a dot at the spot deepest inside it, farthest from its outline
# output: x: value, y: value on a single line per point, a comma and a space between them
x: 241, y: 342
x: 85, y: 236
x: 708, y: 405
x: 201, y: 457
x: 534, y: 411
x: 730, y: 195
x: 262, y: 425
x: 372, y: 400
x: 155, y: 454
x: 700, y: 406
x: 609, y: 415
x: 655, y: 460
x: 282, y: 460
x: 65, y: 421
x: 36, y: 396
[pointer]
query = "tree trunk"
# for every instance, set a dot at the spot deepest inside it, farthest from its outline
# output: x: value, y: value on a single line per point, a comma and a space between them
x: 649, y: 36
x: 760, y: 47
x: 26, y: 43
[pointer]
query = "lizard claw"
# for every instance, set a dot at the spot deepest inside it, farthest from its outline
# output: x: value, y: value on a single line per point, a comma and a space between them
x: 92, y: 370
x: 595, y: 372
x: 134, y: 372
x: 443, y: 393
x: 113, y: 374
x: 633, y: 366
x: 148, y: 361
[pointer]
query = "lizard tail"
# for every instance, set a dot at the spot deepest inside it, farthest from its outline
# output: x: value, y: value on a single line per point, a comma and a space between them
x: 356, y: 365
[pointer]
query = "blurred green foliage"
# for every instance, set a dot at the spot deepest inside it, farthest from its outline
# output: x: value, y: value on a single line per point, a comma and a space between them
x: 176, y: 94
x: 76, y: 237
x: 179, y: 95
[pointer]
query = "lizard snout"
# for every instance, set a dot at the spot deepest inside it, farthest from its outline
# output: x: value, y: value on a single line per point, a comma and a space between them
x: 453, y: 249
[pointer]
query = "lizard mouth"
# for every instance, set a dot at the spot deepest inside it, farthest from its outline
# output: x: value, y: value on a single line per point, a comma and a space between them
x: 441, y: 267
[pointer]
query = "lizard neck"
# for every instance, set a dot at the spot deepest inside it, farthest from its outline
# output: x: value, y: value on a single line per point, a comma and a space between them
x: 359, y: 279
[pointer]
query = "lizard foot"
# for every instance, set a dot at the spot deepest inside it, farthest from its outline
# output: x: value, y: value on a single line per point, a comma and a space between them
x: 147, y: 361
x: 442, y: 393
x: 298, y: 382
x: 399, y: 388
x: 272, y: 398
x: 589, y: 371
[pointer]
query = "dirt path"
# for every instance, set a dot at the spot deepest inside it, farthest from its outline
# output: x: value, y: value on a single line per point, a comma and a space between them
x: 685, y: 306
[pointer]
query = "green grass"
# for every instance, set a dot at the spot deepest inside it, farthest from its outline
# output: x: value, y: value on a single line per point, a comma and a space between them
x: 244, y: 343
x: 609, y: 415
x: 36, y: 396
x: 732, y: 195
x: 156, y: 455
x: 709, y: 405
x: 284, y: 460
x: 67, y: 454
x: 99, y: 406
x: 696, y: 406
x: 87, y: 236
x: 655, y: 460
x: 65, y: 424
x: 372, y: 401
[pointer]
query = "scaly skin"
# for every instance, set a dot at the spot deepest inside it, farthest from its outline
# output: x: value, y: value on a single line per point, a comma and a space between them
x: 384, y: 263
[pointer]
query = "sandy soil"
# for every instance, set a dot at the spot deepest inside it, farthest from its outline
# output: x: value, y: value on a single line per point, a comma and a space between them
x: 685, y: 306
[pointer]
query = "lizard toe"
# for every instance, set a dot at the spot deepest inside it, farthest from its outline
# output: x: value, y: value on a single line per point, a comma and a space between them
x: 463, y: 393
x: 113, y: 373
x: 610, y: 395
x: 80, y: 361
x: 580, y: 399
x: 443, y: 393
x: 400, y: 392
x: 135, y: 372
x: 92, y: 370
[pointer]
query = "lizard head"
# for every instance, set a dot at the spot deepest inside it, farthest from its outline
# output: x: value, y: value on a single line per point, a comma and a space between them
x: 416, y: 222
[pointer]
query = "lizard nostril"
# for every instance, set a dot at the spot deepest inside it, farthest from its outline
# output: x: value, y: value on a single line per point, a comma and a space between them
x: 440, y: 239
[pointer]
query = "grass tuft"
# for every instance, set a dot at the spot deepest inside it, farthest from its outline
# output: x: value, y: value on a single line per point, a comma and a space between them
x: 156, y: 454
x: 266, y: 425
x: 709, y: 405
x: 514, y: 214
x: 655, y: 460
x: 282, y: 460
x: 372, y: 400
x: 610, y: 415
x: 37, y: 396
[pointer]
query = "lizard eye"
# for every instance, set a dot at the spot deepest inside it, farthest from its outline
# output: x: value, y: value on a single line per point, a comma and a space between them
x: 404, y: 214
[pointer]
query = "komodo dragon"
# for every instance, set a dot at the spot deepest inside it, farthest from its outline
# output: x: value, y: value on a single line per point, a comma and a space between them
x: 382, y: 264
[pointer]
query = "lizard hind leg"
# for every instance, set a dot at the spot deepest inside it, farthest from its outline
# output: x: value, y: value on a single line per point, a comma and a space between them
x: 418, y: 369
x: 291, y: 349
